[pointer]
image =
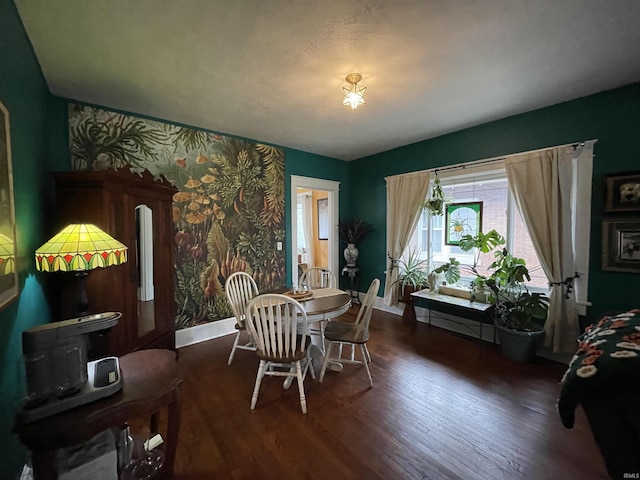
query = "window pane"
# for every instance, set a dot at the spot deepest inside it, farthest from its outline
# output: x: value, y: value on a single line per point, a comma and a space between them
x: 301, y: 247
x: 523, y: 247
x: 493, y: 193
x: 491, y: 188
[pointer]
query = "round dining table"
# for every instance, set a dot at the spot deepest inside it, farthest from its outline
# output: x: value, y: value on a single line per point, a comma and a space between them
x: 327, y: 303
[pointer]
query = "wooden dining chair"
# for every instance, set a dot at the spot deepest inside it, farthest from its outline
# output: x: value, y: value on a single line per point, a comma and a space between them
x: 318, y: 277
x: 240, y: 288
x: 339, y: 332
x: 278, y: 324
x: 314, y: 278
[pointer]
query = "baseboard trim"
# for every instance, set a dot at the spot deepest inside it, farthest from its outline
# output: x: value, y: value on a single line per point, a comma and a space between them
x: 207, y: 331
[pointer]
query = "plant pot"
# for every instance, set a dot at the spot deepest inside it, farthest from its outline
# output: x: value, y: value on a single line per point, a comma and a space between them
x: 407, y: 290
x: 517, y: 345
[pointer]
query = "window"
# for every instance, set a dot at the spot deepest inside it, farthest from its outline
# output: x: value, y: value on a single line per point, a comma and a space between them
x: 486, y: 182
x: 302, y: 242
x: 487, y: 185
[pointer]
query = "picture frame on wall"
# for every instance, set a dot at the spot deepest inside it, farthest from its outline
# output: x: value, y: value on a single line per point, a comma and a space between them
x: 462, y: 219
x: 622, y: 192
x: 323, y: 219
x: 621, y: 245
x: 8, y: 270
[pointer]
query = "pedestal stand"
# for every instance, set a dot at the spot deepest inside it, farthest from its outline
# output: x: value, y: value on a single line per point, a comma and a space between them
x: 354, y: 282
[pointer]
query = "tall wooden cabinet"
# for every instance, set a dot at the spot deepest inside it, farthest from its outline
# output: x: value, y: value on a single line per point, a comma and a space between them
x: 136, y: 211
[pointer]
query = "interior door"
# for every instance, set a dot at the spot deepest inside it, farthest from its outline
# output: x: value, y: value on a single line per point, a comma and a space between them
x: 331, y: 218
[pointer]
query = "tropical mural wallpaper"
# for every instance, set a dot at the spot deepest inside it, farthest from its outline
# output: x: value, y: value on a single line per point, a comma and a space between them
x: 228, y: 212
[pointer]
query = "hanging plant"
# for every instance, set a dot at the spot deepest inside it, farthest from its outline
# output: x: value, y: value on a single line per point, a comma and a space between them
x: 435, y: 204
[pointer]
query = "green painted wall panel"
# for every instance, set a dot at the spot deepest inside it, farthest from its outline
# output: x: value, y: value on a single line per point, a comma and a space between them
x: 33, y: 112
x: 612, y: 117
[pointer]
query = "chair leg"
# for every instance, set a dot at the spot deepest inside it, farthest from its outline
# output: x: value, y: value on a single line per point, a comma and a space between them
x: 366, y: 350
x: 326, y: 360
x: 289, y: 380
x: 251, y: 343
x: 303, y: 400
x: 233, y: 349
x: 324, y: 347
x: 261, y: 369
x: 310, y: 365
x: 365, y: 363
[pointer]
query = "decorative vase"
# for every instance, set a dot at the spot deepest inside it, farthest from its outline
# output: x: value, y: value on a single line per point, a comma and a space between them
x: 351, y: 255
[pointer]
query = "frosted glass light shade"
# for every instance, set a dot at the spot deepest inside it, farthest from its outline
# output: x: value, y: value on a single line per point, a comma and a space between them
x: 354, y: 93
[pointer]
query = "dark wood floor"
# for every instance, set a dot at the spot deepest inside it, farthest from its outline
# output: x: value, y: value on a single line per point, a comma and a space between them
x: 442, y: 408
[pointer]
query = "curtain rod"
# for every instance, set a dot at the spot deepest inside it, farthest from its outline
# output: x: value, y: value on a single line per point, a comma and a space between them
x: 575, y: 146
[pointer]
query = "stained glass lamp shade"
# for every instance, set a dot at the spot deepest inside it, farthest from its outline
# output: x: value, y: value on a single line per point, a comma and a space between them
x: 78, y: 248
x: 7, y: 258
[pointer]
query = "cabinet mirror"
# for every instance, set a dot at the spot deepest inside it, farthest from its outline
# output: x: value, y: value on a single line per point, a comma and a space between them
x: 144, y: 264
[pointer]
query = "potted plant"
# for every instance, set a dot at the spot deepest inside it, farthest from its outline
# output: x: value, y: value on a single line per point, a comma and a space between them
x: 483, y: 243
x: 352, y: 232
x: 519, y: 314
x: 450, y: 270
x: 436, y: 202
x: 412, y: 276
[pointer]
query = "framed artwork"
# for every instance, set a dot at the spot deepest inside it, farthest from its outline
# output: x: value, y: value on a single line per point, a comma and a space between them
x: 462, y: 219
x: 8, y: 271
x: 323, y: 219
x: 621, y: 245
x: 622, y: 192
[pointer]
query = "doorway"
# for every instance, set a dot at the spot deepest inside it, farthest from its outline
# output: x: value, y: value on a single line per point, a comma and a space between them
x: 314, y: 217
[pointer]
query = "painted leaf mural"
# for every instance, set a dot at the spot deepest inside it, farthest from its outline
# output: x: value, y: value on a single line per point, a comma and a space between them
x: 228, y: 212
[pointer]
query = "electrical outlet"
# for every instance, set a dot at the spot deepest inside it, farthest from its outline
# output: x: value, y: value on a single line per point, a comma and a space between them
x: 279, y: 245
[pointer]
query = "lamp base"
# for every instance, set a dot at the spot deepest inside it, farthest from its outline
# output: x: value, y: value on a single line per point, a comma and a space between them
x: 82, y: 299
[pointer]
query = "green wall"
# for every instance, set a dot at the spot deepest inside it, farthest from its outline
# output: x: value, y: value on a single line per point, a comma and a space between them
x: 316, y: 166
x: 35, y: 125
x: 612, y: 117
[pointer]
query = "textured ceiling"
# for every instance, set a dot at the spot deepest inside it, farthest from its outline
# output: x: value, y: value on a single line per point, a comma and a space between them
x: 273, y: 70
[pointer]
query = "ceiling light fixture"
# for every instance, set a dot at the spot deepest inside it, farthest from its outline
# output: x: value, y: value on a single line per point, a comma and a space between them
x: 353, y: 94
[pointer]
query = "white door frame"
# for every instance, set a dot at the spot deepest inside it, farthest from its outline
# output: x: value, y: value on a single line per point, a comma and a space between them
x: 333, y: 189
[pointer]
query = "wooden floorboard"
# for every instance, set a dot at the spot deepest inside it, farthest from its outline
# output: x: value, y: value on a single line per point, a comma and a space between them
x: 443, y: 407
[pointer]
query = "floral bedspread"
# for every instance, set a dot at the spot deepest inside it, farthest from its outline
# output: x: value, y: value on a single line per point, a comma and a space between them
x: 607, y: 360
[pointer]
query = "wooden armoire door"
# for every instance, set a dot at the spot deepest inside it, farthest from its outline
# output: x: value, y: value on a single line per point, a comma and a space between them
x: 136, y: 211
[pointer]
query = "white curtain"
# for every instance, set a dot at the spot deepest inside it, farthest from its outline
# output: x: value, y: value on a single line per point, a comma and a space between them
x: 404, y: 194
x: 542, y: 183
x: 581, y: 208
x: 307, y: 226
